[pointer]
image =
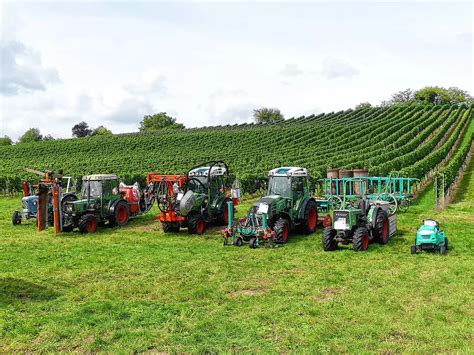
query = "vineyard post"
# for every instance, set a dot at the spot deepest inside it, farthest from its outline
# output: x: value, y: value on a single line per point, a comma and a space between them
x: 436, y: 191
x: 442, y: 190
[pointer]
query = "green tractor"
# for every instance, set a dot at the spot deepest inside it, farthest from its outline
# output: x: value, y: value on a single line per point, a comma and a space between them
x: 287, y: 205
x: 202, y: 201
x: 101, y: 202
x: 359, y: 225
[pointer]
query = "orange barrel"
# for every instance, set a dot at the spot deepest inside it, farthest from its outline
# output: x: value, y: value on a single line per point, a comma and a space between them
x: 345, y: 173
x: 333, y: 174
x: 359, y: 173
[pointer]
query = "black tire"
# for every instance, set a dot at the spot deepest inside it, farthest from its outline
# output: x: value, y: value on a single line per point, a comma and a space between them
x: 328, y: 239
x: 238, y: 242
x: 16, y: 218
x: 310, y: 221
x: 443, y: 250
x: 360, y: 241
x: 68, y: 228
x: 121, y: 214
x: 222, y: 220
x: 413, y: 249
x: 282, y: 231
x: 170, y: 227
x: 381, y: 229
x: 87, y: 223
x: 446, y: 243
x: 196, y: 224
x: 253, y: 243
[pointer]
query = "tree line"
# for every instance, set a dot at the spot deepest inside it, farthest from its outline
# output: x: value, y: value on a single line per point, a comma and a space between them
x: 429, y: 95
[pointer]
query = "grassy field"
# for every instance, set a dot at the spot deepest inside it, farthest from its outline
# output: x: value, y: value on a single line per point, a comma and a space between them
x: 136, y: 289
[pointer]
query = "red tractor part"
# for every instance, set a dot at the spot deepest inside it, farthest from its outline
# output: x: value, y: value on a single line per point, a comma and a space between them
x: 166, y: 194
x: 26, y: 189
x: 131, y: 194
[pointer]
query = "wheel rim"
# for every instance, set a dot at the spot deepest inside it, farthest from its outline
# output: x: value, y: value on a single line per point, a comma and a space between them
x: 200, y: 226
x: 284, y: 234
x: 91, y: 225
x: 121, y: 215
x: 365, y: 241
x: 312, y: 218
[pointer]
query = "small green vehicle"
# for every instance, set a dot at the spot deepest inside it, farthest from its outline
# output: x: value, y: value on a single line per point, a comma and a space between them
x: 360, y: 225
x: 101, y: 202
x: 430, y: 238
x: 287, y: 205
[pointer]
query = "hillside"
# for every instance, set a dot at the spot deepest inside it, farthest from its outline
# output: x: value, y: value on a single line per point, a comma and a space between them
x: 406, y: 140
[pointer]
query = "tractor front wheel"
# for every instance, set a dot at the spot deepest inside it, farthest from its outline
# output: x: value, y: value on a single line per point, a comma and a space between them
x: 282, y: 230
x: 170, y: 227
x: 238, y: 242
x: 88, y: 224
x: 446, y: 243
x: 360, y: 241
x: 443, y: 250
x: 310, y: 221
x: 196, y: 224
x: 16, y: 218
x: 329, y: 240
x: 413, y: 249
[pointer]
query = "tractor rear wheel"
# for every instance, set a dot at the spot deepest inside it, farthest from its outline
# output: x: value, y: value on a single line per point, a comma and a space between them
x: 360, y: 241
x: 16, y: 218
x: 121, y: 214
x: 381, y: 232
x: 196, y: 224
x: 310, y: 221
x: 170, y: 227
x: 329, y: 240
x: 282, y: 230
x: 87, y: 223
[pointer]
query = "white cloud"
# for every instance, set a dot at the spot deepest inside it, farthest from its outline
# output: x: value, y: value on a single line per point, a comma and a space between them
x: 155, y: 86
x: 333, y: 68
x: 22, y: 70
x: 291, y: 70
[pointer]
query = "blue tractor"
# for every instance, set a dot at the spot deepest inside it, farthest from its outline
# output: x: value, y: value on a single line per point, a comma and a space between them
x: 29, y: 204
x: 430, y: 238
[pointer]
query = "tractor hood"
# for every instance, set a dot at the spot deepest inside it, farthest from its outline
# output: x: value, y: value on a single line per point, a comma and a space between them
x: 270, y: 204
x: 80, y: 206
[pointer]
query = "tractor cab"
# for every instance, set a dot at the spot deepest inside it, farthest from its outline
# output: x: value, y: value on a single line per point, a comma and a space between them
x: 96, y: 194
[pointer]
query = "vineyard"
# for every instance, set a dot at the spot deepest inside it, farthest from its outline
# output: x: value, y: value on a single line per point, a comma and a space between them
x: 400, y: 140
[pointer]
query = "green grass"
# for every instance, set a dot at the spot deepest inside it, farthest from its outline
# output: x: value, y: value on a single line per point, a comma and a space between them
x: 136, y: 289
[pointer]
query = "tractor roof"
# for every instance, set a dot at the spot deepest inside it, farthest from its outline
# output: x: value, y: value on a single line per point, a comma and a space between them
x: 288, y: 171
x: 100, y: 177
x: 204, y: 171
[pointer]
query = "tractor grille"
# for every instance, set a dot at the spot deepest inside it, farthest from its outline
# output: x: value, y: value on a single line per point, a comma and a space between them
x: 24, y: 204
x: 341, y: 214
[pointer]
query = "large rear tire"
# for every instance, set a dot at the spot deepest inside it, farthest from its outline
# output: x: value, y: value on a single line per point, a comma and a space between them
x: 16, y: 218
x: 381, y: 230
x: 329, y: 240
x: 196, y: 224
x: 310, y: 221
x: 121, y: 214
x: 87, y: 223
x: 282, y: 230
x: 360, y: 241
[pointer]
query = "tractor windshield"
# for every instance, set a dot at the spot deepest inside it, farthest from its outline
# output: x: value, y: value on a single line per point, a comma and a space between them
x: 92, y: 189
x: 279, y: 185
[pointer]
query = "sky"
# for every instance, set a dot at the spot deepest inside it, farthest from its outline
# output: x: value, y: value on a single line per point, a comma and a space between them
x: 209, y: 63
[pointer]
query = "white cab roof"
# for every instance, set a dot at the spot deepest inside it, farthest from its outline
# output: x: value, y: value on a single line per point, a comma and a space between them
x: 204, y: 171
x: 288, y: 171
x: 99, y: 177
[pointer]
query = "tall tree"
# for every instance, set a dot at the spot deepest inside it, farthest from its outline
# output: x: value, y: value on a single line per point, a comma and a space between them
x: 101, y: 131
x: 267, y: 115
x: 81, y: 130
x: 5, y: 140
x: 363, y: 105
x: 159, y: 121
x: 31, y: 135
x: 401, y: 97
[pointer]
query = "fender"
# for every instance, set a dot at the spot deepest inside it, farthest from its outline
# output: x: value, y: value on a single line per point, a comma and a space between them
x: 111, y: 207
x: 303, y: 207
x: 371, y: 216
